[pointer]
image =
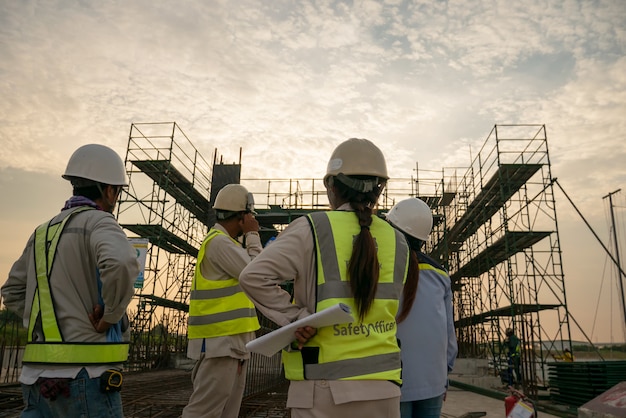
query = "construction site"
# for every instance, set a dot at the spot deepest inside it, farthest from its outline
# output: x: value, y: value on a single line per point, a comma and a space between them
x: 495, y: 231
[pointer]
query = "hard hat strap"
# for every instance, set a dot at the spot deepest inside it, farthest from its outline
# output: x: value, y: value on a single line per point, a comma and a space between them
x: 363, y: 186
x: 224, y: 214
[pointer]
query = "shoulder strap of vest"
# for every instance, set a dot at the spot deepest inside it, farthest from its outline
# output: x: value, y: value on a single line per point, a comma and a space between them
x: 423, y: 258
x: 309, y: 218
x: 47, y: 237
x: 215, y: 232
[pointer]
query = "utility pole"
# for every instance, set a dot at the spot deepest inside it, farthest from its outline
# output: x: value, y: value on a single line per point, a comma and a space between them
x: 617, y: 258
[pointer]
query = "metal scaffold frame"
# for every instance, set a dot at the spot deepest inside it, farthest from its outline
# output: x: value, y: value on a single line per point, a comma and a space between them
x: 495, y: 230
x: 500, y: 241
x: 167, y: 204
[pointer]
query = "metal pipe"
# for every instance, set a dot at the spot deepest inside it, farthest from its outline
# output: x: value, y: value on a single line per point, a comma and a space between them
x: 554, y: 180
x: 621, y: 283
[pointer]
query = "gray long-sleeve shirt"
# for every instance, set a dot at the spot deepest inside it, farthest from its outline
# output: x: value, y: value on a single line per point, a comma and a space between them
x: 91, y: 240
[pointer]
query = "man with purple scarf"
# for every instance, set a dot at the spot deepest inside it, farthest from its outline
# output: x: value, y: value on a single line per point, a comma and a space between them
x: 72, y: 285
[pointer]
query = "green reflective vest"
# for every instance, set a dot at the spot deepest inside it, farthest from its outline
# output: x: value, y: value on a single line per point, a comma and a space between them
x: 365, y: 350
x: 218, y: 307
x: 513, y: 345
x: 53, y: 349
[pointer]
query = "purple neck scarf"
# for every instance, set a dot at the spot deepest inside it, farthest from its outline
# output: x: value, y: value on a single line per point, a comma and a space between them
x: 76, y: 201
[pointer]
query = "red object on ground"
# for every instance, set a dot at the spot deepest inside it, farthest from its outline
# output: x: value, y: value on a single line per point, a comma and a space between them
x: 509, y: 403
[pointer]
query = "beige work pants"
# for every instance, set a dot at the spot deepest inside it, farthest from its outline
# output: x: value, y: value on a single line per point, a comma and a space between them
x: 217, y: 388
x: 324, y: 407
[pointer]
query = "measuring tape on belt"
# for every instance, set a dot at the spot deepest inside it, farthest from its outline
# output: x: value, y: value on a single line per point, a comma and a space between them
x: 111, y: 381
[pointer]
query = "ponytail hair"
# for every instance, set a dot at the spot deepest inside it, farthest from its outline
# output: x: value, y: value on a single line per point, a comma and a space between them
x: 410, y: 286
x: 363, y: 267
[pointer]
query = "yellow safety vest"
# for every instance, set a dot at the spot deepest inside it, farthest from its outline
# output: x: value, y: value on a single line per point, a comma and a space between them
x: 53, y: 349
x: 365, y: 350
x: 218, y: 307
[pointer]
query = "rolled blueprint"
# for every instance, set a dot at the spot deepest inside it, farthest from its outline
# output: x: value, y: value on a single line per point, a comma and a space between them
x: 271, y: 343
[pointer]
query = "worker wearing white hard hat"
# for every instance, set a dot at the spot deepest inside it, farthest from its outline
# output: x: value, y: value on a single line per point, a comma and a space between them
x: 347, y: 255
x: 74, y: 308
x: 221, y: 317
x: 426, y: 331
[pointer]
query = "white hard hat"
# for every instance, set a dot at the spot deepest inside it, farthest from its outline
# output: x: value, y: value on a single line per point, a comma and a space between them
x: 412, y: 216
x: 357, y: 157
x: 234, y: 198
x: 97, y: 163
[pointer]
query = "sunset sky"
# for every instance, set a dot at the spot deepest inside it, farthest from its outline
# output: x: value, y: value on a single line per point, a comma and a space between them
x: 287, y: 81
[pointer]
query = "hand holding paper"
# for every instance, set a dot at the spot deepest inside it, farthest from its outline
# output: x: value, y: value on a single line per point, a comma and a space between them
x: 271, y: 343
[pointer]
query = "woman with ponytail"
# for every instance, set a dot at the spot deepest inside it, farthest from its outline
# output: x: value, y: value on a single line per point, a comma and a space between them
x: 346, y: 255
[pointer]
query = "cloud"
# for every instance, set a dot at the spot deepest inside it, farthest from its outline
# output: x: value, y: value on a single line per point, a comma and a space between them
x: 30, y: 199
x: 287, y: 81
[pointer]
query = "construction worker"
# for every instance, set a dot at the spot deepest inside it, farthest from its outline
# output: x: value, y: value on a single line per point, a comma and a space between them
x: 221, y: 318
x: 567, y: 356
x: 72, y: 285
x: 426, y: 331
x: 347, y: 255
x: 513, y: 351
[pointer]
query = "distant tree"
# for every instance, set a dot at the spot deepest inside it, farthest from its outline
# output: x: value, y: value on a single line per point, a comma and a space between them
x: 7, y: 316
x: 11, y: 330
x: 620, y: 347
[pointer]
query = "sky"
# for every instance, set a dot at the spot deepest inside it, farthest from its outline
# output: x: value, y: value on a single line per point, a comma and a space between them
x: 286, y: 81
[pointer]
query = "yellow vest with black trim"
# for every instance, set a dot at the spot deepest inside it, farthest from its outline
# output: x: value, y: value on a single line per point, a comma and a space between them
x: 218, y: 307
x: 53, y: 349
x: 365, y: 350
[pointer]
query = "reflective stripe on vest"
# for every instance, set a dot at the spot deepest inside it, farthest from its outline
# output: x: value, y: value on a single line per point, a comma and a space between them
x: 53, y: 349
x: 426, y: 266
x: 218, y: 307
x: 353, y: 351
x: 75, y: 353
x: 518, y: 350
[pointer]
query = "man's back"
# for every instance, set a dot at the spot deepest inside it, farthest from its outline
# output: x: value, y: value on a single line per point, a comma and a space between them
x: 91, y: 242
x: 71, y: 285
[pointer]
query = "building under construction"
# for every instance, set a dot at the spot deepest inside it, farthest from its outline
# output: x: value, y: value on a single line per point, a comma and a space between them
x: 495, y: 230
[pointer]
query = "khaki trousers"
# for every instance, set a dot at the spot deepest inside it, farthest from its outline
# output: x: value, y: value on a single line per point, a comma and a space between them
x: 324, y: 407
x: 218, y: 387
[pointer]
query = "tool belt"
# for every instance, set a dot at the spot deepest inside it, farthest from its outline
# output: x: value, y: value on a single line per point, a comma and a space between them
x: 52, y: 387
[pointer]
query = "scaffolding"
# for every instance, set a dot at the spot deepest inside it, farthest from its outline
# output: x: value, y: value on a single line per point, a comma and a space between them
x: 280, y: 201
x: 167, y: 205
x: 168, y: 208
x: 495, y: 230
x: 499, y: 240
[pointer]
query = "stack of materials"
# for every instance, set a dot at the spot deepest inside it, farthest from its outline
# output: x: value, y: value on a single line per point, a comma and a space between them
x: 579, y: 382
